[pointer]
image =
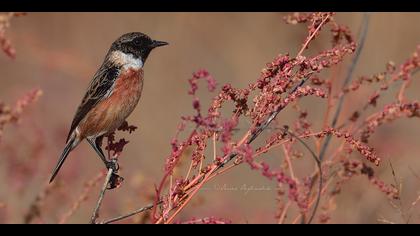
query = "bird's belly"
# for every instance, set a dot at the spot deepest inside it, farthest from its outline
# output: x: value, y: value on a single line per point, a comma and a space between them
x: 111, y: 112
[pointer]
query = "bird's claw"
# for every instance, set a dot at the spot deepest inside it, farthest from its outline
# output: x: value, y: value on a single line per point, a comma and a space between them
x: 112, y: 164
x: 115, y: 181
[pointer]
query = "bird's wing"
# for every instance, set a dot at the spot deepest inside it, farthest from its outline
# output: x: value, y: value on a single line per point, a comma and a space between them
x: 99, y: 88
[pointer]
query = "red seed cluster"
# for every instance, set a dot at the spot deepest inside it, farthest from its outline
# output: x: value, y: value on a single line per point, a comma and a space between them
x: 115, y: 148
x: 207, y: 220
x: 409, y: 66
x: 12, y: 114
x: 353, y: 168
x: 390, y: 113
x: 368, y: 152
x: 5, y: 43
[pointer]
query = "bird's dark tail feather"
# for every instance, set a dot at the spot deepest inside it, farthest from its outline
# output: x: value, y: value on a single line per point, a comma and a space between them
x: 69, y: 146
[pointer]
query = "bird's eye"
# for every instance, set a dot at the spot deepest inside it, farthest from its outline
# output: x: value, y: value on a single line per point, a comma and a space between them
x: 137, y: 41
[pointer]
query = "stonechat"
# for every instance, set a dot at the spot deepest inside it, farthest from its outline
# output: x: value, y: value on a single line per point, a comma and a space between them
x: 112, y: 95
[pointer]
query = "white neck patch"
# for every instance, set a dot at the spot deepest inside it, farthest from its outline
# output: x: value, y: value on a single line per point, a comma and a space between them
x: 126, y: 60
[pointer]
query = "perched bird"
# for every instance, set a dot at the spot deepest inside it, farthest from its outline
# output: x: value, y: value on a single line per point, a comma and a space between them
x: 112, y: 95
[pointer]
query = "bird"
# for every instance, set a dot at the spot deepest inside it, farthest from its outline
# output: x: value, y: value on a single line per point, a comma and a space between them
x: 111, y: 96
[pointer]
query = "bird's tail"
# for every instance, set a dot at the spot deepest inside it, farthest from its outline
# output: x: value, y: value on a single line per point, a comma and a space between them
x: 69, y: 146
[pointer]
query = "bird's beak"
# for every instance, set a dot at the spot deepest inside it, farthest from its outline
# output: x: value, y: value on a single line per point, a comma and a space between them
x: 156, y: 44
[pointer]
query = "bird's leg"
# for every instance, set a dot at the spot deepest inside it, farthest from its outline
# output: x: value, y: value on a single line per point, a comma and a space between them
x: 95, y: 143
x: 115, y: 180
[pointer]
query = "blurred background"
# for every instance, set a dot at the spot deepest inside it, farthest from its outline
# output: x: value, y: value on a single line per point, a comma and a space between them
x: 60, y: 52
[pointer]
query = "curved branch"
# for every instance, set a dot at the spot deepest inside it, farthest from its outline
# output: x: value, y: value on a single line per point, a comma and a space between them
x: 318, y: 163
x: 121, y: 217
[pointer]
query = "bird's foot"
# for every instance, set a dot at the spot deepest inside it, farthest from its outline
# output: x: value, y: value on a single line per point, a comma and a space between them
x: 112, y: 164
x: 115, y: 180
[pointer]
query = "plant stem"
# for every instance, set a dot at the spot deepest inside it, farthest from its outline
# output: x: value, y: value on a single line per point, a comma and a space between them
x: 362, y: 37
x: 95, y: 213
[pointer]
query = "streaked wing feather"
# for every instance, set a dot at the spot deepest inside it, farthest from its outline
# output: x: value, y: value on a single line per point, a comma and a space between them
x: 100, y: 85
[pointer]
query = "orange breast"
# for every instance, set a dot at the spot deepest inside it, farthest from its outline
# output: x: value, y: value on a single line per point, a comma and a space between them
x: 111, y: 112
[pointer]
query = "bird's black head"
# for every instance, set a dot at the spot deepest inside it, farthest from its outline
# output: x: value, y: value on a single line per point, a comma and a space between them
x: 137, y: 44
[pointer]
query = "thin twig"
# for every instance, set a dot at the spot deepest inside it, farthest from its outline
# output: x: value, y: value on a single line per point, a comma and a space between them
x: 318, y: 163
x: 362, y: 37
x: 289, y: 163
x: 284, y: 212
x: 324, y: 189
x: 101, y: 197
x: 133, y: 213
x: 214, y: 146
